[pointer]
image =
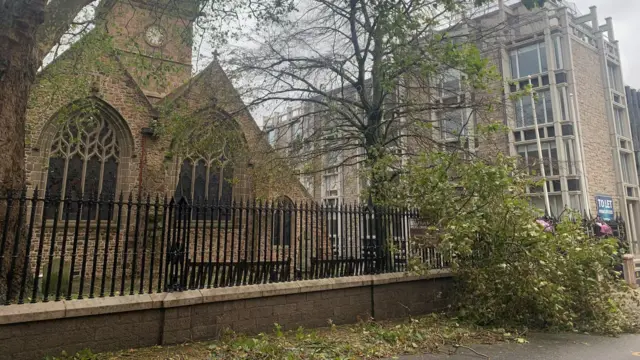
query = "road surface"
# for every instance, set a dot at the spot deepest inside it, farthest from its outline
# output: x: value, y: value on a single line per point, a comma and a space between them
x: 551, y: 347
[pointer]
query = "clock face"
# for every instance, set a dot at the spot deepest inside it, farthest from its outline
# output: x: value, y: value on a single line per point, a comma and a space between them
x: 155, y: 35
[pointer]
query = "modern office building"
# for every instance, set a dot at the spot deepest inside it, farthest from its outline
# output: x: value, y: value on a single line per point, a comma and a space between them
x: 633, y: 103
x: 329, y: 168
x: 573, y: 62
x: 578, y: 106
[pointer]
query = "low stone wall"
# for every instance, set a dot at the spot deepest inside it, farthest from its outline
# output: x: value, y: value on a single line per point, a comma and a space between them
x: 33, y: 331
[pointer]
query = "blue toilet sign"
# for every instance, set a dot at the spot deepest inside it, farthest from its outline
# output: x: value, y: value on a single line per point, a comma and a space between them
x: 604, y: 204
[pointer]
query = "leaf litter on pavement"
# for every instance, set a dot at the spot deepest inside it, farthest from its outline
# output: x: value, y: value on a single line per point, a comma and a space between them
x: 365, y: 340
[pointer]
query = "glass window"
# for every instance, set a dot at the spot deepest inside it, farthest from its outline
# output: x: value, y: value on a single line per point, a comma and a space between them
x: 83, y: 162
x: 282, y: 229
x: 227, y: 184
x: 567, y: 129
x: 576, y: 202
x: 531, y: 159
x: 625, y: 162
x: 453, y: 124
x: 569, y: 152
x: 368, y: 226
x: 73, y: 185
x: 332, y: 225
x: 543, y: 58
x: 200, y: 182
x: 183, y: 189
x: 450, y: 83
x: 55, y: 179
x: 548, y: 107
x: 332, y: 160
x: 614, y: 79
x: 524, y: 109
x: 621, y: 127
x: 529, y: 60
x: 558, y: 52
x: 213, y: 185
x: 331, y: 203
x: 563, y: 103
x: 573, y: 184
x: 333, y: 222
x: 551, y: 160
x: 272, y: 137
x: 205, y: 182
x: 514, y: 64
x: 555, y: 203
x: 331, y: 185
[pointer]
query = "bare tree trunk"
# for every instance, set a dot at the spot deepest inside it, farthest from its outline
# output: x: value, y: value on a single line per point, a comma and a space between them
x: 19, y: 20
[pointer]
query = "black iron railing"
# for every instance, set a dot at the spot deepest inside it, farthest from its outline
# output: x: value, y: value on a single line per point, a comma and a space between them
x: 53, y: 249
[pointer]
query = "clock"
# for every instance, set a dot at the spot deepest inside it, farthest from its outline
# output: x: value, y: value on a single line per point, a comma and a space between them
x: 155, y: 35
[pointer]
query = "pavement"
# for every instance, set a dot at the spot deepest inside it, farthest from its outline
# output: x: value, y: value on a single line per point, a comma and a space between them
x: 550, y: 347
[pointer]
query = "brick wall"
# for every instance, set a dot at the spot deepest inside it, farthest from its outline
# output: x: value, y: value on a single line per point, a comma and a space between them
x: 598, y: 152
x: 34, y: 341
x: 489, y: 108
x: 169, y: 64
x: 309, y: 304
x: 309, y: 310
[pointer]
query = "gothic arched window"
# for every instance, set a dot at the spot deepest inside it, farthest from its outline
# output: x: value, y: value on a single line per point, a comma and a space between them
x: 210, y: 148
x: 83, y: 163
x: 205, y: 180
x: 282, y: 222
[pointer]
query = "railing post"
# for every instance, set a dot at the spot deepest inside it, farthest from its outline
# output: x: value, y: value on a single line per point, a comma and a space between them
x: 279, y: 240
x: 379, y: 242
x: 629, y: 270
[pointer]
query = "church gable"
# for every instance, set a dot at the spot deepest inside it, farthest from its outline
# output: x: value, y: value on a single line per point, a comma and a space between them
x: 207, y: 155
x: 148, y: 149
x: 212, y: 91
x: 81, y: 73
x: 84, y: 74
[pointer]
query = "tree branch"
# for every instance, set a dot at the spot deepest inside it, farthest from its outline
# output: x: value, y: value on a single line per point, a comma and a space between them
x: 59, y: 15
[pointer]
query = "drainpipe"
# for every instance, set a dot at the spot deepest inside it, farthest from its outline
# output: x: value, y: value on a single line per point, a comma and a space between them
x: 141, y: 166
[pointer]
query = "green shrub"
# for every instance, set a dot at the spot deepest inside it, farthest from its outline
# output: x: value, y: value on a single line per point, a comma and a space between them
x: 508, y: 269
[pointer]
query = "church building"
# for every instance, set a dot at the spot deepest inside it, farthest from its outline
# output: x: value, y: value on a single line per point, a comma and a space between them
x: 122, y: 112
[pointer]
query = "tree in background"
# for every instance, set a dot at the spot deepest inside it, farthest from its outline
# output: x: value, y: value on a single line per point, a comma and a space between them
x: 372, y: 73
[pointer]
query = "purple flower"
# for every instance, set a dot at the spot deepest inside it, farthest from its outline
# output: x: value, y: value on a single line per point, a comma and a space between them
x: 548, y: 227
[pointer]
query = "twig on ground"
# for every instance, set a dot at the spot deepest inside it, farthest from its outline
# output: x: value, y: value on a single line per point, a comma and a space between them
x: 457, y: 346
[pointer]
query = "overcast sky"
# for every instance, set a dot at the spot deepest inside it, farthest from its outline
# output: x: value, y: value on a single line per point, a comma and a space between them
x: 626, y: 24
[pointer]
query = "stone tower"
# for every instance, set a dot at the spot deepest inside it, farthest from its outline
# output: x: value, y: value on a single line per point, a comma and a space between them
x: 154, y: 42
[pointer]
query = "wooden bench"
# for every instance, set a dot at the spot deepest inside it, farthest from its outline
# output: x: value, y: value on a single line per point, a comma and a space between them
x: 341, y: 267
x: 201, y: 274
